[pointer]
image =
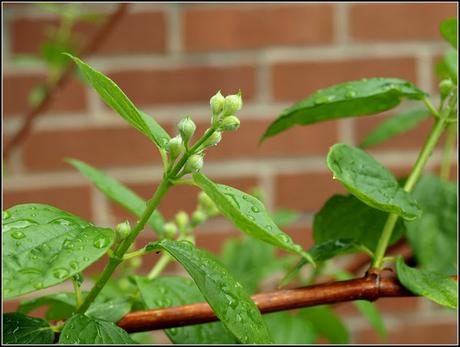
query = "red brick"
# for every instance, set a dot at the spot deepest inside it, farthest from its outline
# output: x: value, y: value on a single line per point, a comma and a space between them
x: 17, y: 89
x: 214, y: 241
x: 46, y: 150
x: 72, y: 199
x: 305, y: 191
x: 395, y: 22
x: 135, y: 33
x: 181, y: 197
x: 186, y: 84
x: 415, y: 333
x: 294, y: 81
x: 241, y: 26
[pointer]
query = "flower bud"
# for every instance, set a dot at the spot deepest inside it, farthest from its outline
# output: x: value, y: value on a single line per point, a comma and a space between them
x: 122, y: 230
x: 217, y: 103
x: 230, y: 123
x: 181, y: 220
x: 194, y: 163
x: 232, y: 104
x: 445, y: 87
x: 198, y: 217
x: 213, y: 140
x: 135, y: 262
x: 186, y: 129
x: 170, y: 230
x: 175, y: 147
x: 206, y: 204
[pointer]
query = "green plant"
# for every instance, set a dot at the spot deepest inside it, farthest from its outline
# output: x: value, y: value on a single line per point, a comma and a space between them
x: 44, y: 246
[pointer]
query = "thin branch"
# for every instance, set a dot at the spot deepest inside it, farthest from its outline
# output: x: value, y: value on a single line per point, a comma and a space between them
x: 65, y: 77
x: 369, y: 288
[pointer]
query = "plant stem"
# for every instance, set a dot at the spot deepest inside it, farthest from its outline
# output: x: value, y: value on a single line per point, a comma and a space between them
x: 415, y: 174
x: 78, y: 297
x: 447, y: 152
x: 159, y: 266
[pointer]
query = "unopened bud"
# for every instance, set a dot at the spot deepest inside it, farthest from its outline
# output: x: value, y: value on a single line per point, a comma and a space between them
x: 170, y: 230
x: 206, y: 203
x: 175, y: 147
x: 194, y: 163
x: 186, y: 129
x: 181, y: 220
x: 217, y: 103
x: 213, y: 140
x: 198, y: 217
x: 230, y: 123
x: 445, y: 87
x: 232, y: 104
x: 135, y: 262
x: 122, y: 230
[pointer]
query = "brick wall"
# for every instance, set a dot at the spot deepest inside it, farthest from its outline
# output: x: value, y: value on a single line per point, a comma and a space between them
x: 170, y: 58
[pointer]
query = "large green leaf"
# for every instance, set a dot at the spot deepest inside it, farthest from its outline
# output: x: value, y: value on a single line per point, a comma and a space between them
x: 433, y: 237
x: 326, y: 323
x: 114, y: 97
x: 448, y: 66
x: 370, y: 181
x: 355, y: 98
x: 168, y: 291
x: 81, y: 329
x: 248, y: 214
x: 224, y: 294
x: 43, y: 246
x: 393, y: 126
x: 346, y: 217
x: 122, y: 195
x: 287, y: 328
x: 20, y: 329
x: 448, y: 29
x: 437, y: 287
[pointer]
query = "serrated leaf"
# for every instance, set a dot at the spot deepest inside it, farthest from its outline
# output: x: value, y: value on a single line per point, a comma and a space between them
x: 437, y: 287
x: 435, y: 232
x: 81, y: 329
x: 326, y: 323
x: 225, y: 295
x: 248, y: 214
x: 355, y: 98
x: 114, y: 97
x: 448, y: 29
x: 347, y: 217
x: 167, y: 291
x: 44, y: 246
x: 119, y: 193
x: 370, y: 181
x: 393, y: 126
x: 287, y: 328
x: 21, y: 329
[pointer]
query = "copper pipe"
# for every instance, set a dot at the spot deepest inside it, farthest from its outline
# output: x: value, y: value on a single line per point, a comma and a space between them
x: 369, y: 288
x: 33, y: 113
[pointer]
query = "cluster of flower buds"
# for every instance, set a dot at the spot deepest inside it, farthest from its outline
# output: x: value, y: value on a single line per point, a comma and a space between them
x: 206, y: 208
x: 224, y: 109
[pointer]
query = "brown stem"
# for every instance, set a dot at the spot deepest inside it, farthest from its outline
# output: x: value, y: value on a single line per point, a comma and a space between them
x: 30, y: 116
x: 370, y: 288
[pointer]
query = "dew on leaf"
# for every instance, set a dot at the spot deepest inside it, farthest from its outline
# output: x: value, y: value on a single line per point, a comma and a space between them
x: 17, y: 234
x: 85, y: 259
x: 101, y: 242
x: 38, y: 285
x: 30, y: 271
x: 255, y: 209
x: 6, y: 214
x: 60, y: 272
x: 74, y: 265
x: 350, y: 94
x: 68, y: 244
x: 325, y: 99
x: 251, y: 217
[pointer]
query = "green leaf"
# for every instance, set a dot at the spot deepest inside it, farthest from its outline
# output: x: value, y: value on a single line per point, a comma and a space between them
x: 437, y: 287
x: 114, y: 97
x: 109, y: 309
x: 326, y: 323
x: 367, y: 308
x: 447, y: 68
x: 448, y: 29
x: 224, y: 294
x: 287, y: 328
x: 370, y: 181
x: 60, y: 305
x: 119, y: 193
x: 355, y: 98
x: 167, y: 291
x: 284, y: 217
x: 44, y: 246
x: 248, y: 214
x: 347, y: 217
x: 81, y: 329
x: 393, y: 126
x: 435, y: 232
x: 21, y: 329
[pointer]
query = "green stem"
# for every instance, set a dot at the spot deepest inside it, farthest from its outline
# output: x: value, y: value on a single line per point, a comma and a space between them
x: 429, y: 105
x: 448, y: 151
x: 164, y: 260
x: 78, y: 297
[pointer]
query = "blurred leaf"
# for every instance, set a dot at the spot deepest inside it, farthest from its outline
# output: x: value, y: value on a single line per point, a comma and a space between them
x: 448, y: 29
x: 283, y: 217
x: 326, y: 323
x: 287, y: 328
x: 447, y: 67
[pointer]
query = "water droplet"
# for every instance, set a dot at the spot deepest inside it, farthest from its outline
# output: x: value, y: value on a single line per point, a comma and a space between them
x: 268, y: 227
x: 325, y: 99
x: 38, y: 285
x: 350, y: 94
x: 284, y: 238
x: 34, y: 257
x: 17, y: 234
x: 45, y: 247
x: 251, y: 217
x: 68, y: 244
x: 245, y: 197
x: 30, y: 271
x: 85, y: 258
x: 101, y: 242
x: 233, y: 199
x: 172, y: 331
x: 60, y: 272
x: 297, y: 248
x: 162, y: 290
x: 6, y: 214
x: 255, y: 209
x: 20, y: 224
x: 74, y: 264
